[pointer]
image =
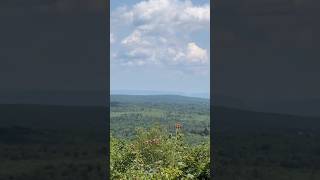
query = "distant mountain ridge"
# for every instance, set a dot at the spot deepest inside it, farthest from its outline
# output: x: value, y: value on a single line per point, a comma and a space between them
x: 302, y: 107
x: 151, y: 92
x: 175, y: 99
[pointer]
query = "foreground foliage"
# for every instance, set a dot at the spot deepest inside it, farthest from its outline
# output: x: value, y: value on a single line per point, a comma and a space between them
x: 156, y: 154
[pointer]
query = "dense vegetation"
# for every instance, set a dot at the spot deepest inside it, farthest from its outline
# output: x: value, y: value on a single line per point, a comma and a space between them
x: 144, y: 143
x: 156, y: 154
x: 248, y: 145
x: 52, y: 142
x: 131, y: 112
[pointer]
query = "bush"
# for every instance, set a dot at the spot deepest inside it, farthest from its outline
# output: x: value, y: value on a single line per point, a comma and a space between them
x: 156, y: 154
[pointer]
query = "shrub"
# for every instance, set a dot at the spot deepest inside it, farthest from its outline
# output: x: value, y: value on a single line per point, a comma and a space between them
x: 155, y: 154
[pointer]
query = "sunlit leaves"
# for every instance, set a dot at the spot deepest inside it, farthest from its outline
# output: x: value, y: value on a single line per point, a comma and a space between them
x: 156, y: 154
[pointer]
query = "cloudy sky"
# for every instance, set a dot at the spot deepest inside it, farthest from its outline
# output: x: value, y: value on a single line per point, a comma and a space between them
x: 160, y: 45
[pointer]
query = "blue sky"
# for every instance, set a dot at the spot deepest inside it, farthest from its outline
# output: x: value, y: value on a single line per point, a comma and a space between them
x: 160, y: 45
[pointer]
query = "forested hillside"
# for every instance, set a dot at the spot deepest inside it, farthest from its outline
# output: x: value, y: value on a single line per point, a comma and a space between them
x: 159, y: 137
x: 131, y: 112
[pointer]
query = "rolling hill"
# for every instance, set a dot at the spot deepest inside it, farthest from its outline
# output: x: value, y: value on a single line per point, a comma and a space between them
x: 167, y: 99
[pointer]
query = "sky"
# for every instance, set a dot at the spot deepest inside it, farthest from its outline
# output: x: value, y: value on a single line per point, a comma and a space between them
x: 160, y: 45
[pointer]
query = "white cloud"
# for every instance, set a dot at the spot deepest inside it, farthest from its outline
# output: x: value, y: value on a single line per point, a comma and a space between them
x: 161, y: 33
x: 135, y: 40
x: 196, y: 54
x: 166, y: 16
x: 201, y: 14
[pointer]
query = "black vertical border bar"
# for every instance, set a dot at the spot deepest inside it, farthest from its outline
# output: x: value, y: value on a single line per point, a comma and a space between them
x: 107, y: 15
x: 212, y: 127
